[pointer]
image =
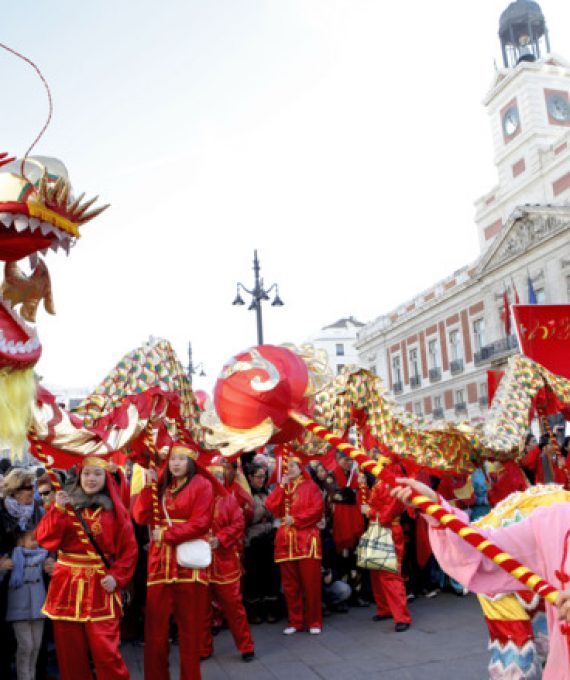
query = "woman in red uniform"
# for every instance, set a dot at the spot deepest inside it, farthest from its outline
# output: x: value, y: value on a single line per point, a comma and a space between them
x: 83, y: 599
x: 388, y: 588
x: 172, y: 589
x: 298, y: 503
x: 225, y: 572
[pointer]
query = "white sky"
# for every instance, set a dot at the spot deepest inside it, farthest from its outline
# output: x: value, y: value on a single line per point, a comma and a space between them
x: 344, y: 139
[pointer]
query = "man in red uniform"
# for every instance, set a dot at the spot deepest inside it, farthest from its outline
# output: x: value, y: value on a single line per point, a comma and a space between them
x: 389, y: 589
x: 188, y: 498
x: 225, y: 572
x: 236, y: 484
x: 348, y: 523
x: 83, y: 599
x: 298, y: 503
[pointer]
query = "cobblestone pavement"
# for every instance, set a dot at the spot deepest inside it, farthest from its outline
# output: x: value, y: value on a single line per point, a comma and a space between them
x: 447, y: 641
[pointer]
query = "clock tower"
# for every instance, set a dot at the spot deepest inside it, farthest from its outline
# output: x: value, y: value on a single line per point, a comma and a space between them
x: 529, y: 108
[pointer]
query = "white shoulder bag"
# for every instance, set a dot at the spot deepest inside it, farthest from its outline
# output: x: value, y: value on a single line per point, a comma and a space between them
x: 195, y: 554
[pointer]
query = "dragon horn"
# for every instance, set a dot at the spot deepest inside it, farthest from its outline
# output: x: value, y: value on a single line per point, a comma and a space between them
x: 83, y: 208
x: 90, y: 215
x: 43, y: 185
x: 57, y: 191
x: 73, y: 207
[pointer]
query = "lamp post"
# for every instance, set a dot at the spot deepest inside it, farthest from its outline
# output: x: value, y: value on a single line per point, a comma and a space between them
x: 192, y: 368
x: 258, y: 295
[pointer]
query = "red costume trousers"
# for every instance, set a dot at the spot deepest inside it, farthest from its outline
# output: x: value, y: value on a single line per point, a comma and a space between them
x: 301, y: 581
x: 228, y: 597
x: 390, y: 595
x: 74, y: 641
x: 188, y: 603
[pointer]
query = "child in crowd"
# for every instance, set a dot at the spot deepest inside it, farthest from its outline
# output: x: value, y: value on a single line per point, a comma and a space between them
x: 26, y: 596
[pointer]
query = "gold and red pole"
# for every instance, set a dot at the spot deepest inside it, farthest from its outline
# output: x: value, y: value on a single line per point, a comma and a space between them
x: 151, y: 446
x: 447, y: 519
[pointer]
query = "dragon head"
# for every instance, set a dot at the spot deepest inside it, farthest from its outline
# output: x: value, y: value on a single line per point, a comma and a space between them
x: 38, y: 212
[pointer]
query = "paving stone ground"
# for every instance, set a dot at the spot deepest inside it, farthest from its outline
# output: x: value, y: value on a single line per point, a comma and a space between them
x: 447, y: 640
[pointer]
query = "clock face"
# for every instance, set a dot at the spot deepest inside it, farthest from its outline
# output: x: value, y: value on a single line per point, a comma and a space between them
x: 558, y: 107
x: 510, y: 121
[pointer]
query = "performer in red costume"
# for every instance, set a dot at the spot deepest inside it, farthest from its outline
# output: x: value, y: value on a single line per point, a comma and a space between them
x: 389, y: 589
x: 83, y: 598
x: 348, y: 523
x: 172, y: 589
x: 510, y: 478
x: 225, y: 572
x: 298, y: 503
x: 235, y: 483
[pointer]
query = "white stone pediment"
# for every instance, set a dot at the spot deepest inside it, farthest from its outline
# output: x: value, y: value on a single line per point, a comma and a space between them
x: 525, y: 229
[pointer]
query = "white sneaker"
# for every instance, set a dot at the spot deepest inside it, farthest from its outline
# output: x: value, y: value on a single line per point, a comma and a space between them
x: 289, y: 630
x: 315, y: 631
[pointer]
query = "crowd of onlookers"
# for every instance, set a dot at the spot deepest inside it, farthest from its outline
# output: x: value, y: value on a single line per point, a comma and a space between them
x: 349, y: 503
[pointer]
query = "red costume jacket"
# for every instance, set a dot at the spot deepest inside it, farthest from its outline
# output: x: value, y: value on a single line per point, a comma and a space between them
x: 302, y: 539
x: 386, y: 510
x: 244, y: 499
x: 348, y: 522
x: 190, y: 512
x: 228, y: 527
x: 510, y: 479
x: 75, y: 592
x: 533, y: 461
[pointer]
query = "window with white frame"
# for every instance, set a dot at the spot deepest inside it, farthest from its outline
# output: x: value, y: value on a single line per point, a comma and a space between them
x: 418, y: 408
x: 414, y: 363
x: 433, y: 353
x: 459, y: 397
x: 568, y: 288
x: 339, y: 349
x: 455, y: 345
x: 437, y: 402
x: 540, y: 295
x: 339, y: 368
x: 397, y: 369
x: 479, y: 334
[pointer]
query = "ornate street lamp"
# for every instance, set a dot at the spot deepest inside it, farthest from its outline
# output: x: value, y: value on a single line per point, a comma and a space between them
x: 258, y: 294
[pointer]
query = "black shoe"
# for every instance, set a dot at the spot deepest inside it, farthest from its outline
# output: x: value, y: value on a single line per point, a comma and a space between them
x: 248, y: 656
x: 401, y: 627
x: 205, y: 658
x: 377, y: 617
x: 216, y: 630
x: 359, y: 602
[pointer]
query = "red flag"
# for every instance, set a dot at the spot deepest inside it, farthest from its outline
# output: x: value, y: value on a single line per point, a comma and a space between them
x: 544, y: 335
x: 493, y: 380
x: 517, y: 301
x: 506, y: 313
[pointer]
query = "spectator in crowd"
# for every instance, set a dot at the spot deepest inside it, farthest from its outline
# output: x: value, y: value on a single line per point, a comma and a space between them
x: 236, y: 484
x: 46, y: 491
x: 26, y: 595
x: 261, y: 583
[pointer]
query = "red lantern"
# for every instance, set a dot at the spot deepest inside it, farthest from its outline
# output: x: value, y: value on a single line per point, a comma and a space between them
x: 263, y: 382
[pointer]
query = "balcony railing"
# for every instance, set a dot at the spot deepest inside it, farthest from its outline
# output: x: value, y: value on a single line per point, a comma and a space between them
x: 456, y: 366
x: 483, y: 401
x: 398, y: 387
x: 434, y: 374
x: 415, y: 381
x: 437, y: 413
x: 460, y: 407
x: 497, y: 349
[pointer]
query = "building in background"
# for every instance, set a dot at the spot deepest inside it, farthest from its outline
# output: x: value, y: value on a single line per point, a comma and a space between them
x: 434, y: 350
x: 338, y: 339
